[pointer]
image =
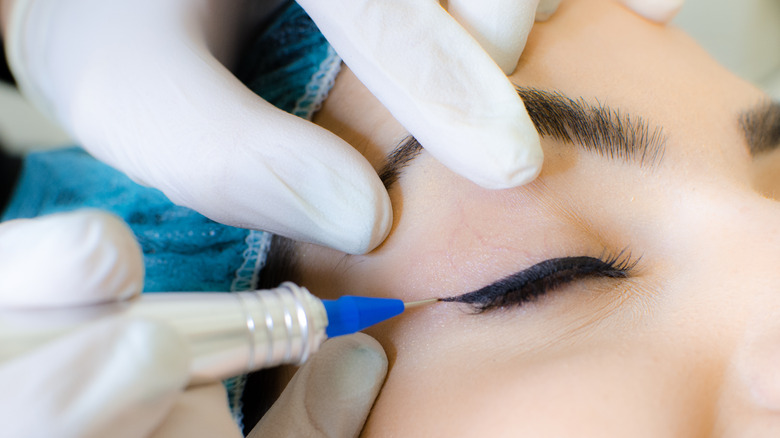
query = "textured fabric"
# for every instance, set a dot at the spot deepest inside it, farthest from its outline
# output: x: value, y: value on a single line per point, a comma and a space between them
x: 292, y: 66
x: 183, y: 251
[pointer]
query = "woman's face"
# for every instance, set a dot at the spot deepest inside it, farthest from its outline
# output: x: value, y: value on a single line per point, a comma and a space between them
x: 687, y: 344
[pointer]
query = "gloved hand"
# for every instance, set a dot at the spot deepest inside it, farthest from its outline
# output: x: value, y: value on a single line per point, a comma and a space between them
x: 123, y: 377
x: 142, y: 84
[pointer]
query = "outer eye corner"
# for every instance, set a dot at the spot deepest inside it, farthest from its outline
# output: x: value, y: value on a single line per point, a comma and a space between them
x: 623, y: 263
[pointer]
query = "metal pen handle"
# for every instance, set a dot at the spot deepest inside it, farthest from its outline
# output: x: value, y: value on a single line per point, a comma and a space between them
x: 228, y: 333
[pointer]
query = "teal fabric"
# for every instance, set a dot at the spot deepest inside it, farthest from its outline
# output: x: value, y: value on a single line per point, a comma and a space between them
x: 183, y: 251
x: 291, y: 65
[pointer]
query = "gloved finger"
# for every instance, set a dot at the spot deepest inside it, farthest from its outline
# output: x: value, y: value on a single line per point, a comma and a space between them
x: 332, y: 394
x: 115, y: 378
x: 438, y: 83
x: 82, y: 257
x: 173, y: 117
x: 201, y: 411
x: 546, y: 9
x: 230, y: 155
x: 661, y: 11
x: 501, y: 26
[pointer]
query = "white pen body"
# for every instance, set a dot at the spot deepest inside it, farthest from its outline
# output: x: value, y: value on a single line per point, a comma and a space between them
x: 227, y: 333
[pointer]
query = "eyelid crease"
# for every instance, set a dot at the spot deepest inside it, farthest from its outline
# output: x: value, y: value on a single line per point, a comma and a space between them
x: 541, y: 278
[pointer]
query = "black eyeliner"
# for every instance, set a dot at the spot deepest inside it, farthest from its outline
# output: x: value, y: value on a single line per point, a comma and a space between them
x: 541, y: 278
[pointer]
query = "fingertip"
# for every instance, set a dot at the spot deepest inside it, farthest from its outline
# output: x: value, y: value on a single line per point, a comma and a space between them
x: 124, y: 277
x: 351, y: 364
x: 365, y: 230
x: 332, y: 394
x: 365, y: 366
x: 522, y: 170
x: 500, y: 27
x: 660, y: 11
x: 89, y: 256
x: 362, y: 349
x: 379, y: 226
x: 501, y: 155
x: 350, y: 370
x: 546, y: 9
x: 299, y: 181
x: 355, y: 214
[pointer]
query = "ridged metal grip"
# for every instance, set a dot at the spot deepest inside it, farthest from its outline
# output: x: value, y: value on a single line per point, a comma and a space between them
x: 228, y: 333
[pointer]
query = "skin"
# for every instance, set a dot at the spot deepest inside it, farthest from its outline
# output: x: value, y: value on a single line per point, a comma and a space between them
x: 5, y: 14
x: 688, y: 345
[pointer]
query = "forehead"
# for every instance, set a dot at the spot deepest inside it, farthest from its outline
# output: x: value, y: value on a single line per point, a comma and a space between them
x: 597, y: 50
x: 601, y: 52
x: 594, y: 49
x: 451, y: 236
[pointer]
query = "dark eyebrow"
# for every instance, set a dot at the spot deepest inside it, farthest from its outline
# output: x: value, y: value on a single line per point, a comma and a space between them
x: 408, y: 149
x: 761, y: 126
x: 594, y: 127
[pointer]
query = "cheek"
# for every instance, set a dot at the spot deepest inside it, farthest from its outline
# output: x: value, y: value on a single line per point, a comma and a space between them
x: 603, y: 391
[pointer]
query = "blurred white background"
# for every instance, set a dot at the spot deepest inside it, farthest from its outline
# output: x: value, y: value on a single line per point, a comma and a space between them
x: 744, y: 35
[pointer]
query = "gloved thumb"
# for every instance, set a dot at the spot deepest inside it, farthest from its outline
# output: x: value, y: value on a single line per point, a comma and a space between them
x: 332, y: 394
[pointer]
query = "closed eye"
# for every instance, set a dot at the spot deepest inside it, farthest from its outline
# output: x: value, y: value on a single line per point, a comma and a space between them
x: 541, y: 278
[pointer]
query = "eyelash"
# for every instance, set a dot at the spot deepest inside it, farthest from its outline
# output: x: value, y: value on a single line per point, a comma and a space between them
x: 544, y: 277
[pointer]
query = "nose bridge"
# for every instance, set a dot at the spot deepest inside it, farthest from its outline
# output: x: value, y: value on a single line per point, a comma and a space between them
x: 741, y: 237
x: 753, y: 234
x: 722, y: 249
x: 740, y: 252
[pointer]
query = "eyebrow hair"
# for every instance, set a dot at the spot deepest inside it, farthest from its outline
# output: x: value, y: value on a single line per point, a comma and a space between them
x: 597, y: 128
x: 761, y: 126
x: 408, y: 149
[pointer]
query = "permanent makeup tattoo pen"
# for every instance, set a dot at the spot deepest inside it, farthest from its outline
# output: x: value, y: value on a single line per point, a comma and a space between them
x: 228, y: 333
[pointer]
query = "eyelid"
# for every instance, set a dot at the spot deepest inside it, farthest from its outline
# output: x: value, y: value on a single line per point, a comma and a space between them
x: 541, y: 278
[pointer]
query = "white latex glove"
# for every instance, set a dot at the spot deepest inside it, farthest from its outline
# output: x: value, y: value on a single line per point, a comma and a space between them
x: 142, y: 85
x: 114, y: 378
x: 332, y: 394
x: 122, y: 377
x: 661, y: 11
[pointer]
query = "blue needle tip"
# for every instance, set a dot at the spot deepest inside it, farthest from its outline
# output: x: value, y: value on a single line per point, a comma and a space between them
x: 351, y: 314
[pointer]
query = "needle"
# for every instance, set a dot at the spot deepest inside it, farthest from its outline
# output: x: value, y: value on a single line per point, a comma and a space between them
x: 413, y: 304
